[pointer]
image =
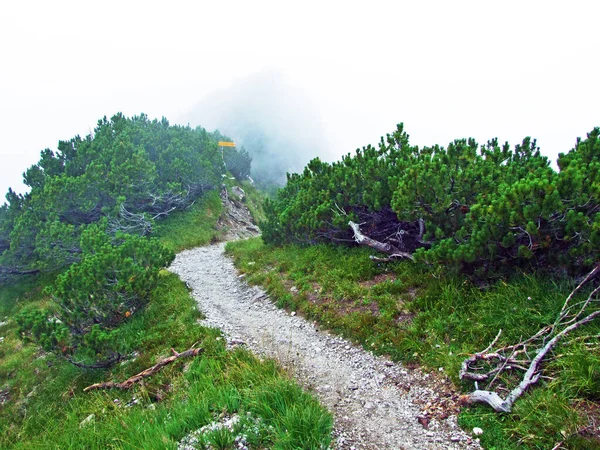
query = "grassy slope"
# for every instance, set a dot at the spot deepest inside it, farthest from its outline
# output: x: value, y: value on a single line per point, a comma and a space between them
x: 417, y: 315
x: 191, y: 228
x: 46, y: 404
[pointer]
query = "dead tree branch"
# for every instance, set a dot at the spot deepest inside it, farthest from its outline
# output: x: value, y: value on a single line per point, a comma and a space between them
x: 487, y: 364
x: 392, y: 257
x: 363, y: 239
x: 128, y: 383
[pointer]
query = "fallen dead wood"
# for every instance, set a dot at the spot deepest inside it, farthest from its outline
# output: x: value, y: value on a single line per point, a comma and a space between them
x: 487, y: 365
x: 363, y: 239
x: 145, y: 373
x: 392, y: 257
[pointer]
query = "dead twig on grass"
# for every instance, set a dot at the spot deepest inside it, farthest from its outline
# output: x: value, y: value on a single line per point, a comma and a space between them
x: 488, y: 364
x: 145, y: 373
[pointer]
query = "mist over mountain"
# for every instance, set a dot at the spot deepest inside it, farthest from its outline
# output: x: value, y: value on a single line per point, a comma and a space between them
x: 274, y: 121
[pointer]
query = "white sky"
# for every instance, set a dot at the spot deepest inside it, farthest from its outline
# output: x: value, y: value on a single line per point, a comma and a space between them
x: 447, y: 69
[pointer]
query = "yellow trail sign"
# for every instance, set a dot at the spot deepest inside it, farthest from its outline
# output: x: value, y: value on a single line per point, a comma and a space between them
x: 226, y: 144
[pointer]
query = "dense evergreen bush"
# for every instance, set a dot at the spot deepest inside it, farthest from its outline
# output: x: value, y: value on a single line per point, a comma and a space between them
x: 113, y: 280
x: 92, y: 204
x: 129, y: 170
x: 484, y: 207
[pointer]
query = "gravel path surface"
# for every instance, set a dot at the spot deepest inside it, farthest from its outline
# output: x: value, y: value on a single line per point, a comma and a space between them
x: 376, y: 403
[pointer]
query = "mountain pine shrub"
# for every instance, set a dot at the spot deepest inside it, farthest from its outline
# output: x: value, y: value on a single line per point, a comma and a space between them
x: 486, y: 208
x: 94, y: 296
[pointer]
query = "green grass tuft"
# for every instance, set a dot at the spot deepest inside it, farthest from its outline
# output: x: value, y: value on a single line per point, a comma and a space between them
x: 44, y: 405
x: 191, y: 228
x: 414, y: 314
x: 157, y: 414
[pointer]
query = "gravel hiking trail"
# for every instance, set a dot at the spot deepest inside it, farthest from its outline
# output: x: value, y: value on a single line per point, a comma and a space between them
x: 376, y: 403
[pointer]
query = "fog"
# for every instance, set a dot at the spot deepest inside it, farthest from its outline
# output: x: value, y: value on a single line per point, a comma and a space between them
x: 290, y: 80
x: 274, y: 121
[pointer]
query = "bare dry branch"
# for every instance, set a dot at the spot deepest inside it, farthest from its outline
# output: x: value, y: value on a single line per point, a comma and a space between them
x: 392, y: 257
x: 128, y: 383
x: 540, y: 344
x: 363, y: 239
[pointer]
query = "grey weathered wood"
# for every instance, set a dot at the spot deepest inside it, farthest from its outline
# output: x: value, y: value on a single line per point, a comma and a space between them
x: 542, y: 342
x: 363, y: 239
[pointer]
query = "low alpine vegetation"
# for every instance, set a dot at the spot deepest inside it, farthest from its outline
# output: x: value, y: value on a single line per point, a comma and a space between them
x: 112, y: 281
x: 129, y: 173
x: 92, y: 205
x: 44, y: 406
x: 85, y: 300
x: 497, y: 239
x: 419, y: 315
x: 480, y: 208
